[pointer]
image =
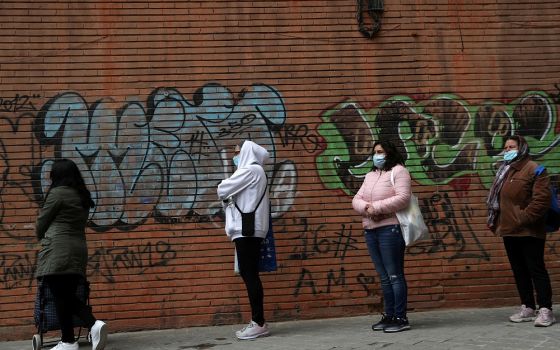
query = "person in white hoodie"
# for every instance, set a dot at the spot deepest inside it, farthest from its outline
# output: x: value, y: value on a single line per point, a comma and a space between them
x: 247, y: 191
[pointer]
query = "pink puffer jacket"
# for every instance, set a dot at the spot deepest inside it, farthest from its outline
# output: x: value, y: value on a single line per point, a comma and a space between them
x: 385, y: 199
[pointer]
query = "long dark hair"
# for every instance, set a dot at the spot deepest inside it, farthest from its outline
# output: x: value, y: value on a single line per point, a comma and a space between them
x: 65, y: 172
x: 392, y: 154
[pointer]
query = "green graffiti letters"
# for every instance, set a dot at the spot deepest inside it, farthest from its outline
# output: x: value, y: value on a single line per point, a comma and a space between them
x: 442, y: 138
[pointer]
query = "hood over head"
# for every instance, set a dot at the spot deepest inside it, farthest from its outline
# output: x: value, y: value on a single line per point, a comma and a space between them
x: 252, y: 153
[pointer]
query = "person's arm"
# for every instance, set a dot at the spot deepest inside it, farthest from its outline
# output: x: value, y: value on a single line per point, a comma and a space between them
x: 231, y: 186
x: 400, y: 200
x: 540, y: 200
x: 358, y: 203
x: 47, y: 214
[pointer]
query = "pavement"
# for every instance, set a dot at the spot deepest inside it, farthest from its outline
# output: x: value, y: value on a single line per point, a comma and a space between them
x: 431, y: 330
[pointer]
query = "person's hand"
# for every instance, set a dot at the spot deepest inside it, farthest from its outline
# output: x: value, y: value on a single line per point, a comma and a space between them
x: 370, y: 210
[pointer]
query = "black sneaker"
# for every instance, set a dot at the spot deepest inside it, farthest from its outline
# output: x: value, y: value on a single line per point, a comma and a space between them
x: 398, y: 325
x: 385, y: 321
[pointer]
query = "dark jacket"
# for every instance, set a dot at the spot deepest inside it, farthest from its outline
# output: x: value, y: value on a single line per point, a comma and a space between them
x: 60, y: 228
x: 524, y: 200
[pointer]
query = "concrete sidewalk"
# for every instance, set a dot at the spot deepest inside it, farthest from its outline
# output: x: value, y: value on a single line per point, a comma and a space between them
x: 448, y: 329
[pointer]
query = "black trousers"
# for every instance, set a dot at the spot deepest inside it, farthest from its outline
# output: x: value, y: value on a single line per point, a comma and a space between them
x: 63, y: 289
x: 248, y: 251
x: 526, y: 257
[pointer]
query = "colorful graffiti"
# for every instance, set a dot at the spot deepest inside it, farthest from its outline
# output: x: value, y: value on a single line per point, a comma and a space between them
x: 163, y: 159
x: 443, y: 138
x: 445, y: 141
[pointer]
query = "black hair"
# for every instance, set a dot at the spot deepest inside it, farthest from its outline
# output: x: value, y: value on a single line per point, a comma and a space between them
x: 65, y: 172
x: 392, y: 154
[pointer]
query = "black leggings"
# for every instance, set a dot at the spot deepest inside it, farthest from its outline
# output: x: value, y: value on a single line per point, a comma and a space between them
x: 248, y: 251
x: 63, y: 289
x: 526, y: 257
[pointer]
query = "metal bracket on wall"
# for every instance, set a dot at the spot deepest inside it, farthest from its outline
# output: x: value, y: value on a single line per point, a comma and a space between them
x: 374, y: 10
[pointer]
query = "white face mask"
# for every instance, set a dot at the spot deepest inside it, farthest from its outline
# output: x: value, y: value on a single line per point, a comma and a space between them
x: 379, y: 160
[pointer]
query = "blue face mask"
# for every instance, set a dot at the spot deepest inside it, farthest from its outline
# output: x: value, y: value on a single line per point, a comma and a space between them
x: 379, y: 161
x: 236, y: 160
x: 510, y: 155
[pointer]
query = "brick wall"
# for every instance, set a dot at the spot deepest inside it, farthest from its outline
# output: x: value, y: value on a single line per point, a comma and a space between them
x: 148, y: 97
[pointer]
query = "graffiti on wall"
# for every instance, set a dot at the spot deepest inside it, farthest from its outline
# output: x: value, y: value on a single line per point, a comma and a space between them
x: 16, y: 143
x: 163, y: 159
x: 18, y: 269
x: 136, y: 260
x: 445, y: 141
x: 314, y: 242
x: 442, y: 138
x: 450, y: 228
x: 18, y: 103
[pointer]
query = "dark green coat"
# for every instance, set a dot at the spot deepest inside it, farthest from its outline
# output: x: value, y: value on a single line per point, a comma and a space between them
x: 60, y: 228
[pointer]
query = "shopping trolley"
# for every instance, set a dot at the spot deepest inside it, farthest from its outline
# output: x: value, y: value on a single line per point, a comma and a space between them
x: 45, y: 315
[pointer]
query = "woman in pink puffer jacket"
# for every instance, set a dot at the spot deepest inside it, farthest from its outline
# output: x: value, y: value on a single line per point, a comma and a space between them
x: 377, y: 201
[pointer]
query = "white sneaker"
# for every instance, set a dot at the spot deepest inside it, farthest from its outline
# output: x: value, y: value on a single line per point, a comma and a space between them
x: 545, y: 318
x: 525, y: 314
x: 252, y: 331
x: 66, y: 346
x: 98, y: 335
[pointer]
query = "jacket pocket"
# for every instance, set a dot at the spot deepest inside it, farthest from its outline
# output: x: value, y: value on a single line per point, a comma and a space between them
x: 519, y: 216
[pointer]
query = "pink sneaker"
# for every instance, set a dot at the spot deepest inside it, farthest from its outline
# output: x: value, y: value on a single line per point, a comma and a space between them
x: 525, y: 314
x: 545, y: 318
x: 252, y: 331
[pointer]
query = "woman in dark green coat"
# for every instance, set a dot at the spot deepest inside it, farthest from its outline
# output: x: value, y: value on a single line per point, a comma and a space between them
x: 62, y: 260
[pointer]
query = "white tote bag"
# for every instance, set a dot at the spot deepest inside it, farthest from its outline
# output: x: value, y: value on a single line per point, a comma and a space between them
x: 410, y: 218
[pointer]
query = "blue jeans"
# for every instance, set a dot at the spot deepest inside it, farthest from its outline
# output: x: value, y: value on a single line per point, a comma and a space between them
x: 386, y: 247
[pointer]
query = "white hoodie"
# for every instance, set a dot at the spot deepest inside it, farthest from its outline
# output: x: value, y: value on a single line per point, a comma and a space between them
x: 245, y: 187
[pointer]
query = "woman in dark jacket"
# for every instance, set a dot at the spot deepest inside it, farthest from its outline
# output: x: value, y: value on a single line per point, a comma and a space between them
x: 62, y: 261
x: 518, y: 199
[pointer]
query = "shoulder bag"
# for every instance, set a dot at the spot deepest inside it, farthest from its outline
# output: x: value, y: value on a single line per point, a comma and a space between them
x: 410, y: 219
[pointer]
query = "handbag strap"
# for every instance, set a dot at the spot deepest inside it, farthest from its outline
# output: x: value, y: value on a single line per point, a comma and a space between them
x: 260, y: 200
x: 259, y: 203
x: 393, y: 180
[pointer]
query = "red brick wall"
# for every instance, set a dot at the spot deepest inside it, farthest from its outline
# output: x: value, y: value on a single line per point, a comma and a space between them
x: 149, y: 96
